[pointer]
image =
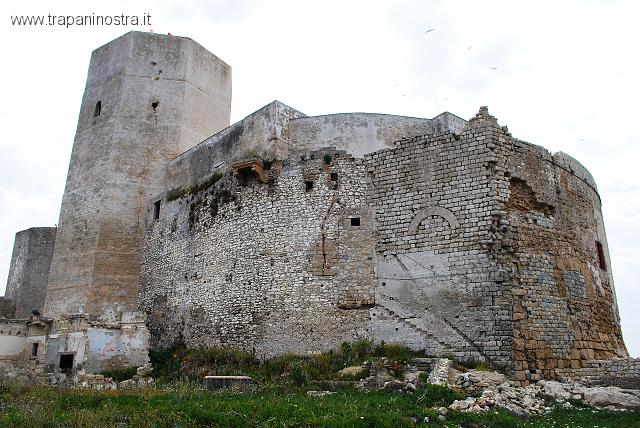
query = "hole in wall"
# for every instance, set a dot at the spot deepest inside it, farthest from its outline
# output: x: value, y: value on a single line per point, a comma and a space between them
x: 97, y: 109
x: 156, y: 210
x: 155, y: 104
x: 308, y: 186
x: 602, y: 262
x: 66, y: 362
x: 355, y: 221
x: 34, y: 349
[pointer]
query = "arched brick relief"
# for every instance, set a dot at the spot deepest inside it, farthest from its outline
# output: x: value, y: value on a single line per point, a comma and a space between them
x: 433, y: 211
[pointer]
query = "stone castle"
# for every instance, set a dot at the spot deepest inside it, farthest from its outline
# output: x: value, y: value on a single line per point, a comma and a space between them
x: 292, y: 233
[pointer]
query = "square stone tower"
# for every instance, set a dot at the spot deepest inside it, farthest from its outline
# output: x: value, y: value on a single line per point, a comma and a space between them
x: 148, y: 98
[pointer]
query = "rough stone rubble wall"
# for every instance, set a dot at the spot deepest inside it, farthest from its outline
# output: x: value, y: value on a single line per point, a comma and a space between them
x: 470, y: 244
x: 280, y: 269
x: 276, y: 268
x: 29, y: 270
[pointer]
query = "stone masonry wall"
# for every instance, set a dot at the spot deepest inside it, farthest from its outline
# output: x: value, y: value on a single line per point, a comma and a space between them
x: 437, y: 288
x: 148, y: 98
x: 548, y: 240
x: 29, y: 271
x: 269, y: 267
x: 7, y: 308
x: 469, y: 244
x: 620, y: 372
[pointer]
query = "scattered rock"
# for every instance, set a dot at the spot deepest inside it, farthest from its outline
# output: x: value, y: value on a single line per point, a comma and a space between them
x: 353, y: 372
x: 319, y: 393
x: 397, y: 386
x: 440, y: 373
x: 611, y: 397
x: 479, y: 380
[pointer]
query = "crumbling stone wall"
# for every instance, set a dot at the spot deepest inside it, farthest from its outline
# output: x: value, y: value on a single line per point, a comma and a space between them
x: 548, y: 239
x: 471, y: 244
x: 275, y: 266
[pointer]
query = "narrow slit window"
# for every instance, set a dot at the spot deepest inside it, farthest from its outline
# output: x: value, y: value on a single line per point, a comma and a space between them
x: 602, y: 262
x: 156, y: 210
x: 34, y: 349
x: 98, y: 109
x: 355, y: 221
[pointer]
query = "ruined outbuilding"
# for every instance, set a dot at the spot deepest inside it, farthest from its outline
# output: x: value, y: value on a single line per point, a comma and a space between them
x: 292, y: 233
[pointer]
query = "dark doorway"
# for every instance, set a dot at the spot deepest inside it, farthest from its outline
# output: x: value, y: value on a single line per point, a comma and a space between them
x: 66, y: 362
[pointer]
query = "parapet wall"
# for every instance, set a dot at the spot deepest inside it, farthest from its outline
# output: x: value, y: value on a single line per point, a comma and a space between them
x: 362, y: 133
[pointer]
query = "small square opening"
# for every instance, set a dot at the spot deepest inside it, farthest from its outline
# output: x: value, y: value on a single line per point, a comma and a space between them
x: 156, y: 210
x: 308, y: 186
x: 334, y: 176
x: 66, y: 362
x: 355, y: 221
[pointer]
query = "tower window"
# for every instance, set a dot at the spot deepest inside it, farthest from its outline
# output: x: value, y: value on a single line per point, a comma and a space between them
x: 308, y: 186
x: 156, y: 210
x: 602, y: 262
x: 97, y: 109
x: 355, y: 221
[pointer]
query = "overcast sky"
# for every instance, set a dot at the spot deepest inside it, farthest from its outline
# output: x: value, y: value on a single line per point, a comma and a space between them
x: 563, y: 75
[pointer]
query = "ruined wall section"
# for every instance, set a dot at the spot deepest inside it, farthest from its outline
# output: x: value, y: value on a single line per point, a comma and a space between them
x: 259, y: 134
x: 549, y: 239
x: 438, y: 289
x: 282, y: 263
x: 29, y: 270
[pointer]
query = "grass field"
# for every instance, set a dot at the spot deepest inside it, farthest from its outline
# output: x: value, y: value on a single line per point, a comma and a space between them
x: 181, y: 406
x: 280, y: 400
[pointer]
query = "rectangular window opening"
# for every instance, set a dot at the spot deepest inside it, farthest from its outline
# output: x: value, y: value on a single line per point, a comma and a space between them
x: 355, y: 221
x: 66, y: 362
x: 156, y: 210
x: 601, y: 259
x: 34, y: 349
x: 334, y: 176
x: 308, y: 186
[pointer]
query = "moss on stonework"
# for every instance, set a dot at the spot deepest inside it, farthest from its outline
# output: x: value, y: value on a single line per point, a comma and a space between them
x: 181, y: 192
